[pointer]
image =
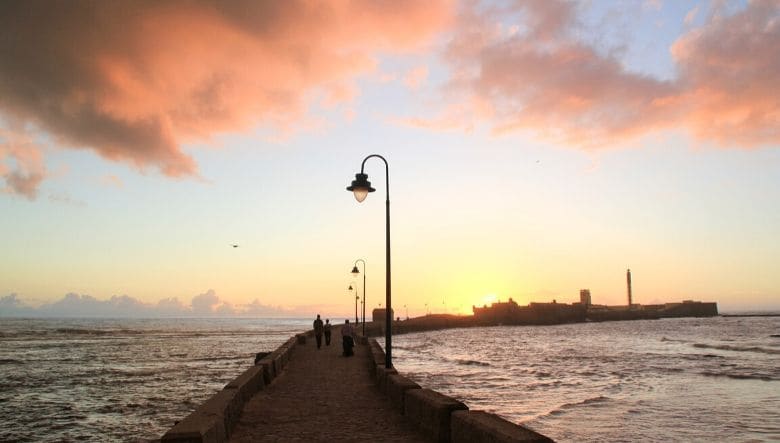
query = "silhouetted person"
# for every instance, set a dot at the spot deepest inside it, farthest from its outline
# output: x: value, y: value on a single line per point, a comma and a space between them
x: 326, y: 330
x: 318, y: 331
x: 348, y: 342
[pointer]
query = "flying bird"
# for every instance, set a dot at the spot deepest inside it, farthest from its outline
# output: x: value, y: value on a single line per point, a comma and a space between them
x: 235, y: 246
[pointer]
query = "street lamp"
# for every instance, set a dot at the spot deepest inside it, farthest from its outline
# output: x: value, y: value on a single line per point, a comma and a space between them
x: 357, y: 297
x: 355, y: 272
x: 361, y: 187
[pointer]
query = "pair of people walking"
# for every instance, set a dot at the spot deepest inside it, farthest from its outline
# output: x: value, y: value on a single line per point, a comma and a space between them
x: 320, y: 329
x: 347, y: 335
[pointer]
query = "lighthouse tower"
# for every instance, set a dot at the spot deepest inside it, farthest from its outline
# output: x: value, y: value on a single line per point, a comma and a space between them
x: 628, y: 283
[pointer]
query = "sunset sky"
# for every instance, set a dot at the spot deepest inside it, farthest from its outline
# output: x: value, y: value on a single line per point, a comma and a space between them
x: 535, y: 148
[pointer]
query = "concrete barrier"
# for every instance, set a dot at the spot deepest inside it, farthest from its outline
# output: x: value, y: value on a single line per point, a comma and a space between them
x: 248, y: 383
x: 381, y: 376
x: 269, y: 372
x: 278, y: 363
x: 396, y: 387
x: 210, y: 423
x: 471, y: 426
x: 430, y: 411
x: 300, y: 339
x: 213, y: 421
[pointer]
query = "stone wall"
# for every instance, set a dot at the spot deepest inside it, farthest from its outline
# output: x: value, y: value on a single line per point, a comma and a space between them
x: 213, y: 421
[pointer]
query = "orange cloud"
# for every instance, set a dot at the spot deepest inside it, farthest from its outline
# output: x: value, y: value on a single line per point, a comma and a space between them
x: 133, y: 80
x: 539, y: 77
x: 730, y: 74
x: 21, y: 164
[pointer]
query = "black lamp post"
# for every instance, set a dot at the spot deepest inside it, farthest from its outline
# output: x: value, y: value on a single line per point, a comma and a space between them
x: 356, y: 299
x: 361, y: 187
x: 355, y: 272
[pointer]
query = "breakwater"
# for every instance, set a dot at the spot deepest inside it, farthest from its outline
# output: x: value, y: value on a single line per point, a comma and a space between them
x: 409, y: 412
x: 214, y: 420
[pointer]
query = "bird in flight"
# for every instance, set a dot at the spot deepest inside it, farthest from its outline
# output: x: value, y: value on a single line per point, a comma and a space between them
x: 235, y: 246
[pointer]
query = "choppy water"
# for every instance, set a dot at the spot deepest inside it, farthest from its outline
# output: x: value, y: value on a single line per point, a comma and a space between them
x: 714, y: 379
x: 120, y: 380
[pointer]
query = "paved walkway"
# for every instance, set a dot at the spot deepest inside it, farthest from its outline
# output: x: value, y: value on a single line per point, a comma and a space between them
x: 322, y: 395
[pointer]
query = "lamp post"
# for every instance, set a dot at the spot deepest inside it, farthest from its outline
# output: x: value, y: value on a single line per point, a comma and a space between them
x: 355, y: 272
x: 356, y: 297
x: 361, y: 187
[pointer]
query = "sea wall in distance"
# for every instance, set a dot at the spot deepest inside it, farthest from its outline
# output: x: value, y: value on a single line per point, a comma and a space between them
x: 506, y: 314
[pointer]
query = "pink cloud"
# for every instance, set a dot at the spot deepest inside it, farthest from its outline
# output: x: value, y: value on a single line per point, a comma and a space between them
x: 21, y: 164
x: 540, y: 78
x: 729, y: 73
x: 132, y: 81
x: 415, y: 77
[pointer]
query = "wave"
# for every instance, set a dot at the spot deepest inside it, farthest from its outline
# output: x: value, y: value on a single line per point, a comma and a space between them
x: 410, y: 347
x: 762, y: 377
x: 673, y: 340
x: 220, y: 358
x: 82, y: 331
x: 738, y: 348
x: 562, y: 409
x: 10, y: 361
x: 471, y: 362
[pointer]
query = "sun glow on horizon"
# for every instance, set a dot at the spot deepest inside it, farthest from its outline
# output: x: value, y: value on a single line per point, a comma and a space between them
x: 488, y: 300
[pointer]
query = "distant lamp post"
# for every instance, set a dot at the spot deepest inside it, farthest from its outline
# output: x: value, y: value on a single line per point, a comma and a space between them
x: 355, y: 272
x: 361, y: 187
x: 357, y: 297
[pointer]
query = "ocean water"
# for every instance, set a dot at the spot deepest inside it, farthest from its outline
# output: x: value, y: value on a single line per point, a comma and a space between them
x: 120, y: 380
x: 714, y: 379
x: 686, y: 380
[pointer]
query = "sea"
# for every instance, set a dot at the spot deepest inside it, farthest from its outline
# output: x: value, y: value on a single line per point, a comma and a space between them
x: 120, y: 380
x: 690, y: 379
x: 670, y: 380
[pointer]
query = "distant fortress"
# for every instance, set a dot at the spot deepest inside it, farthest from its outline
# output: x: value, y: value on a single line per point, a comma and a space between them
x: 552, y: 313
x: 510, y: 313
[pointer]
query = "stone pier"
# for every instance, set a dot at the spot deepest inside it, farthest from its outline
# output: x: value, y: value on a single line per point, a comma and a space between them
x: 301, y: 393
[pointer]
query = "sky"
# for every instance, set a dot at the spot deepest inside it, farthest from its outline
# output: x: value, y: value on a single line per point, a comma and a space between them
x: 534, y: 148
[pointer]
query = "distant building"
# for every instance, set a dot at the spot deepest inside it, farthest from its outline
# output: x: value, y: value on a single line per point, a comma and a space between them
x: 585, y: 297
x: 378, y: 315
x: 508, y: 313
x: 628, y: 283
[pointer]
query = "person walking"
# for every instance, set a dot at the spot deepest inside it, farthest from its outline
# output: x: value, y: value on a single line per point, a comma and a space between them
x: 318, y: 331
x: 326, y: 330
x: 347, y: 340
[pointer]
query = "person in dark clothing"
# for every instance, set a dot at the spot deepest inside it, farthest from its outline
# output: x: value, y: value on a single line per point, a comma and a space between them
x: 326, y: 330
x: 318, y: 331
x: 348, y: 342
